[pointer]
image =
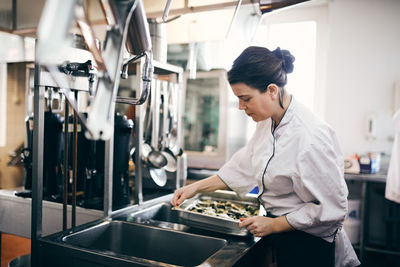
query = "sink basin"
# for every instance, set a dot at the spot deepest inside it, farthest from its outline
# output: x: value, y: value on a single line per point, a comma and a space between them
x: 147, y: 242
x: 160, y: 212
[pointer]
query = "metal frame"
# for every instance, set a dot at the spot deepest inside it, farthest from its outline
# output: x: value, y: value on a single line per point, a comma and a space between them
x: 37, y: 168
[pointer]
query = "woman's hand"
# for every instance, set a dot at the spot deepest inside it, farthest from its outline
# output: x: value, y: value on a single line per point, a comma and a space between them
x: 261, y: 226
x: 209, y: 184
x: 183, y: 193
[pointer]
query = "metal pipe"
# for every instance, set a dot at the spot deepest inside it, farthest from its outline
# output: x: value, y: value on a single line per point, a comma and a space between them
x: 233, y: 18
x: 138, y: 34
x: 268, y: 6
x: 197, y: 9
x: 75, y: 166
x: 139, y: 122
x: 147, y: 76
x: 363, y: 218
x: 65, y: 177
x: 37, y: 168
x: 108, y: 169
x: 124, y: 71
x: 166, y: 10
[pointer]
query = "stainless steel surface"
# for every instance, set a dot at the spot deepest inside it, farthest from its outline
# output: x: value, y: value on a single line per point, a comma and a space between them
x: 158, y: 175
x: 147, y: 242
x: 18, y: 209
x: 157, y: 159
x: 158, y: 33
x: 75, y: 83
x: 37, y: 167
x: 155, y: 213
x: 379, y: 177
x: 147, y: 75
x: 171, y: 161
x: 181, y: 171
x: 65, y: 167
x: 108, y: 171
x: 74, y: 164
x: 138, y: 39
x: 146, y: 150
x: 139, y: 125
x: 214, y: 223
x: 155, y: 99
x: 161, y: 212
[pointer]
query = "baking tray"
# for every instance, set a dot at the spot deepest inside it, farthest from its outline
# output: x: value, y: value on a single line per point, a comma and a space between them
x: 213, y: 222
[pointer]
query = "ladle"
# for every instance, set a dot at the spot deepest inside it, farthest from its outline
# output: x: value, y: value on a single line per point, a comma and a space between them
x: 156, y: 159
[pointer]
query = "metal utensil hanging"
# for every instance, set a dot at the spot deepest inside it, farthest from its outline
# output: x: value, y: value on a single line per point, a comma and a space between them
x: 155, y: 159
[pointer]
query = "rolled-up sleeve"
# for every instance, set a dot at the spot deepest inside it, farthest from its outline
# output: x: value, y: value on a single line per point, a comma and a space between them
x: 320, y: 184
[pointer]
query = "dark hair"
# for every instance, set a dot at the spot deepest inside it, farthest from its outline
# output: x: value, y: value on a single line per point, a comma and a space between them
x: 257, y: 67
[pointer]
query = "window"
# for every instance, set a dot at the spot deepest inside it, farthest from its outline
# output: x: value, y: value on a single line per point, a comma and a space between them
x: 300, y: 39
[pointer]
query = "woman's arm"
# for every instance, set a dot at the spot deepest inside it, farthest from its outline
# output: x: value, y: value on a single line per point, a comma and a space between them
x: 209, y: 184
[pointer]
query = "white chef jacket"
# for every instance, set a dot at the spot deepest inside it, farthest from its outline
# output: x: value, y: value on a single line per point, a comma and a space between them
x: 304, y: 176
x: 393, y: 177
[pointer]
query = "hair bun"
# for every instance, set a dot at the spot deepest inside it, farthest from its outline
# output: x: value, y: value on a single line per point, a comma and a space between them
x: 287, y: 59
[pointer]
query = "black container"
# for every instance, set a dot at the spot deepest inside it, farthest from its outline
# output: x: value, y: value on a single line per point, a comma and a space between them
x: 52, y: 153
x: 122, y: 136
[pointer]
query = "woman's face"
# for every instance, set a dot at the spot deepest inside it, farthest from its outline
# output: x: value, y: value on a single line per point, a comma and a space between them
x: 257, y: 105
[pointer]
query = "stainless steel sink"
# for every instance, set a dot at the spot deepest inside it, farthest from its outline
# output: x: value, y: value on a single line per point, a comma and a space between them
x: 147, y: 242
x: 160, y: 212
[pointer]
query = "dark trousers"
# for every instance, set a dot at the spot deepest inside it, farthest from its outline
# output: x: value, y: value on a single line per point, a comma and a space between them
x: 297, y: 249
x: 290, y: 249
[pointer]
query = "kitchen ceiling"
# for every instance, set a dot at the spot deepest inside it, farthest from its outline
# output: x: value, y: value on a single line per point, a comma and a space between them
x: 24, y: 17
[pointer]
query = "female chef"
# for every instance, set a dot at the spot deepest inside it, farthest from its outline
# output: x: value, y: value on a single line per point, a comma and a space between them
x: 294, y: 158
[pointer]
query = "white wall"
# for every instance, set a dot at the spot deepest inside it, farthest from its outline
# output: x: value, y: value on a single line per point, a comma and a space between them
x: 358, y: 62
x: 363, y: 62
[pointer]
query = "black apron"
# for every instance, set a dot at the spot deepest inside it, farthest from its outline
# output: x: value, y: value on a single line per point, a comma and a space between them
x: 297, y: 248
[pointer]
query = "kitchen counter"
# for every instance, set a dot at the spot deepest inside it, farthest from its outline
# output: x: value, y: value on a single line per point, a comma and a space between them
x: 15, y: 214
x: 379, y: 177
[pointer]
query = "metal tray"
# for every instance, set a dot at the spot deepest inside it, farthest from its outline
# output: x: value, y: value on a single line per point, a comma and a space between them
x: 212, y: 222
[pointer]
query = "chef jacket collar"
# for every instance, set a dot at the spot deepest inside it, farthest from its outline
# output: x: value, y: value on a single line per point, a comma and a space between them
x: 288, y: 115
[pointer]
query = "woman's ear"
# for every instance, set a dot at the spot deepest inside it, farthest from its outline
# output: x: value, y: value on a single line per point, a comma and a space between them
x: 273, y: 90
